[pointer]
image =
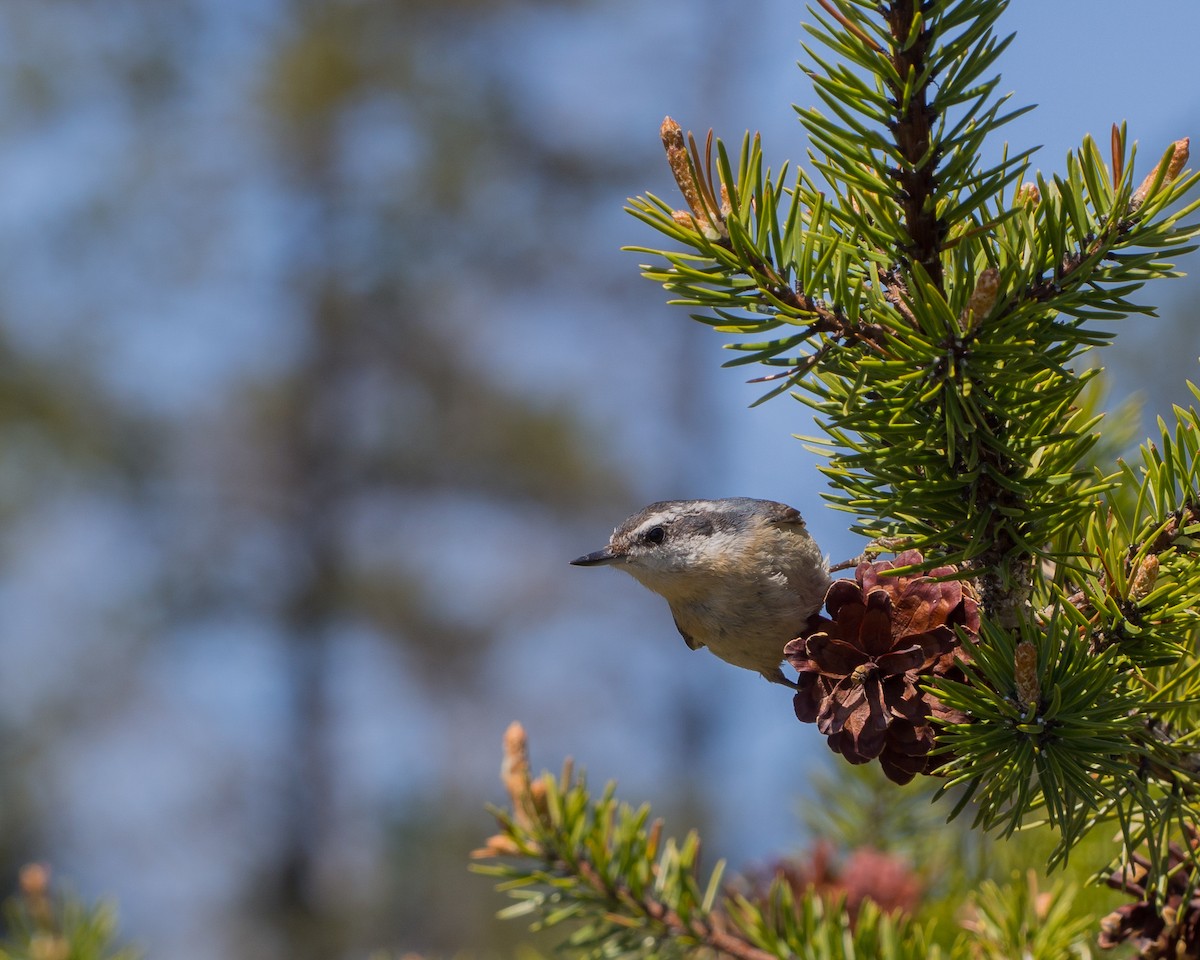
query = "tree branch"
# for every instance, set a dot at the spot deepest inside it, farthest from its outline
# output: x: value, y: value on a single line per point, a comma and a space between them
x: 917, y: 177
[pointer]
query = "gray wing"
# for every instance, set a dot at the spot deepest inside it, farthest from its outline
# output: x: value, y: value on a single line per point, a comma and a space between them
x: 692, y: 644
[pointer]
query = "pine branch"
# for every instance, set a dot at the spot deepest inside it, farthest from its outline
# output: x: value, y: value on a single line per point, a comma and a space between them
x: 914, y: 137
x: 713, y: 226
x: 44, y: 923
x: 933, y: 311
x: 597, y: 862
x: 564, y: 856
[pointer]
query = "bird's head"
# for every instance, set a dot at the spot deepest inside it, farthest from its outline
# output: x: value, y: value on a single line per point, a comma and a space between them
x: 680, y: 547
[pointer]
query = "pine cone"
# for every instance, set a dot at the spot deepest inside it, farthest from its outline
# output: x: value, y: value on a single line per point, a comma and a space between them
x: 1170, y: 931
x: 862, y: 874
x: 860, y: 667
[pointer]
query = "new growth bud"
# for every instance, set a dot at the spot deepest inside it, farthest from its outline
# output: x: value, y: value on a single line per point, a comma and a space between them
x: 1162, y: 175
x: 1027, y: 195
x: 704, y: 212
x: 528, y: 796
x: 1144, y: 578
x: 982, y: 299
x: 1025, y: 675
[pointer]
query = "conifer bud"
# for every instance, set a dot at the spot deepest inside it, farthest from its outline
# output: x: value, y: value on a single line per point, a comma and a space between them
x: 708, y: 222
x: 34, y: 883
x: 1174, y: 165
x: 1144, y: 578
x: 680, y: 163
x: 1027, y: 195
x: 982, y: 299
x: 1029, y: 690
x: 528, y: 797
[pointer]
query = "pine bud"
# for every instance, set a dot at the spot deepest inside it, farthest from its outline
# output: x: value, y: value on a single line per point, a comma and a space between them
x: 709, y: 222
x: 1027, y: 195
x: 982, y: 299
x: 34, y: 880
x: 681, y: 166
x: 528, y: 798
x: 1144, y: 578
x: 1174, y: 165
x: 1029, y: 690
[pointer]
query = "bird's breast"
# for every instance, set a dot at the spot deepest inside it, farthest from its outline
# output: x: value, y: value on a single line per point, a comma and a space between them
x: 746, y: 626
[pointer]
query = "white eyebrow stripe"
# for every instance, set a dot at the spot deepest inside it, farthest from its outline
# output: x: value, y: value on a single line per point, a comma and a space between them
x: 654, y: 521
x: 695, y: 508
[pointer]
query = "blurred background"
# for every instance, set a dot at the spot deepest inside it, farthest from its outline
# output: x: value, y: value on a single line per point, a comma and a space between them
x: 318, y: 361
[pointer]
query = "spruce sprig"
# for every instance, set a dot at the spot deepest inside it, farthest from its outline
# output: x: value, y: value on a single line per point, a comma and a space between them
x: 603, y: 869
x: 931, y: 316
x: 933, y: 308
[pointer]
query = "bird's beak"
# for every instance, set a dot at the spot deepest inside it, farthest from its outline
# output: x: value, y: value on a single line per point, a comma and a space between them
x: 596, y: 559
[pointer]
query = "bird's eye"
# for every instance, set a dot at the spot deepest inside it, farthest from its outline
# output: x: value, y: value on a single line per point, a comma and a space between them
x: 656, y: 535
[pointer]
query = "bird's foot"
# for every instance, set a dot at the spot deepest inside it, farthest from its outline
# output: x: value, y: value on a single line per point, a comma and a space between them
x: 777, y: 676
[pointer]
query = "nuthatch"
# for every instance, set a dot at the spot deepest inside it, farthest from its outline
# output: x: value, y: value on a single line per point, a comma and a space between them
x: 741, y: 576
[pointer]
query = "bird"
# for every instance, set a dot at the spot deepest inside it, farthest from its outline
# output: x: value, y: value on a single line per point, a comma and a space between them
x: 741, y: 576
